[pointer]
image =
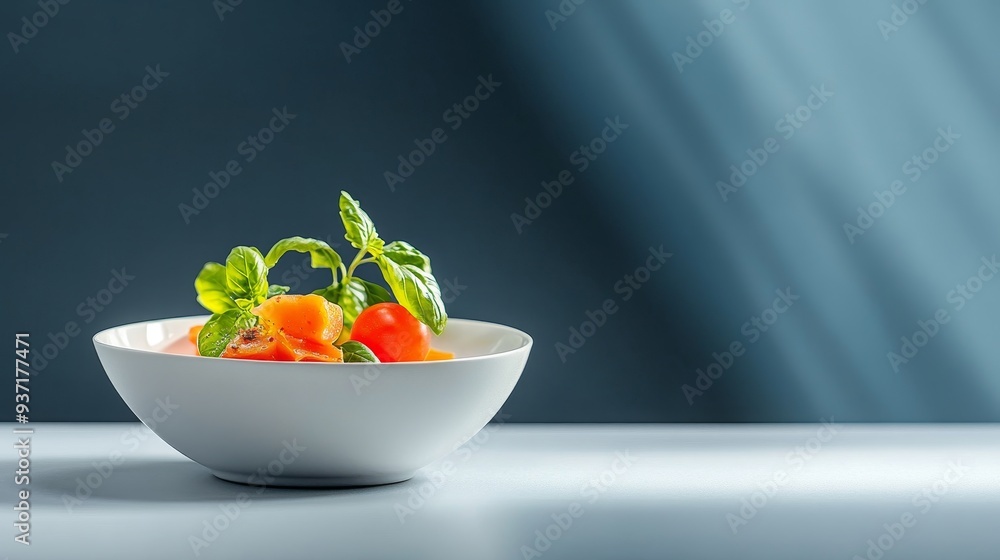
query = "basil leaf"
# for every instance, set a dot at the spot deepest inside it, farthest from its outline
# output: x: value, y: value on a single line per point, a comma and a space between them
x: 246, y: 277
x: 354, y: 351
x: 359, y: 228
x: 331, y: 293
x: 323, y: 256
x: 403, y: 253
x: 211, y: 287
x: 221, y: 329
x: 276, y: 290
x: 356, y: 295
x: 417, y: 291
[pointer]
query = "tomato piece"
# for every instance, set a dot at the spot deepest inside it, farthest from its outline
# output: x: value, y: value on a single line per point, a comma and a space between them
x: 309, y: 351
x: 267, y: 342
x: 309, y: 317
x: 436, y: 354
x: 193, y: 334
x: 259, y: 343
x: 392, y: 333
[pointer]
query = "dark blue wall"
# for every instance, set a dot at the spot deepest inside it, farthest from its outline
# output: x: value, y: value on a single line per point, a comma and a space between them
x: 838, y: 97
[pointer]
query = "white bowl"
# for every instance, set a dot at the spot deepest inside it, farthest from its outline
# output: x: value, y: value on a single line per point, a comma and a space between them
x: 313, y: 424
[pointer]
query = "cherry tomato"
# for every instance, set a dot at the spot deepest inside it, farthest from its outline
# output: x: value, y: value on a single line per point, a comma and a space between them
x: 392, y: 333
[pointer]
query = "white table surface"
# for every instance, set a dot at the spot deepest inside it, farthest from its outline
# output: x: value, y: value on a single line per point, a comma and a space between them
x: 677, y: 499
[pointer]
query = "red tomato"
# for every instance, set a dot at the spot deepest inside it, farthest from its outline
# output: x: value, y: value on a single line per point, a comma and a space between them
x: 392, y: 333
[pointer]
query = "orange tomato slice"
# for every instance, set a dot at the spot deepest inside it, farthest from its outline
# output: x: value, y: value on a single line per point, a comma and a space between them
x: 308, y: 317
x: 436, y: 354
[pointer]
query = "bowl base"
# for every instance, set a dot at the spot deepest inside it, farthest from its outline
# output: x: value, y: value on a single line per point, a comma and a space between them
x: 315, y: 481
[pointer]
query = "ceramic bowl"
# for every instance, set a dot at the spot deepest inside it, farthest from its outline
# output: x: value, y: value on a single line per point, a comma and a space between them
x: 312, y: 424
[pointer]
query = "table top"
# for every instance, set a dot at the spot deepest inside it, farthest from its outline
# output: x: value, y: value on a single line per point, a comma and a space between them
x: 538, y: 491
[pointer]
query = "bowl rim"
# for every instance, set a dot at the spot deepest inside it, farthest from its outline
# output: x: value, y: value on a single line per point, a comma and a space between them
x: 526, y: 345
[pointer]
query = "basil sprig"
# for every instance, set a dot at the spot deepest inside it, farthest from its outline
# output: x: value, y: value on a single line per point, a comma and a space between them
x: 405, y: 269
x: 232, y: 290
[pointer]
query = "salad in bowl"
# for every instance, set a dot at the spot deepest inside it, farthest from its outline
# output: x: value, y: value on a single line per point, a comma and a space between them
x: 351, y: 320
x: 368, y: 383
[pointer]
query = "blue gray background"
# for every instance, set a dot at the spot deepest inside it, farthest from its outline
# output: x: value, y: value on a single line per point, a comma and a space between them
x: 891, y: 87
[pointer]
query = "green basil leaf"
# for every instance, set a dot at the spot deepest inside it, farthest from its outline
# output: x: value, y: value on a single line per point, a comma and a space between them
x: 403, y: 253
x: 356, y: 295
x: 417, y: 291
x: 354, y: 351
x: 331, y: 293
x: 246, y: 277
x: 221, y: 329
x: 359, y: 228
x: 322, y: 255
x: 211, y: 287
x: 276, y: 290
